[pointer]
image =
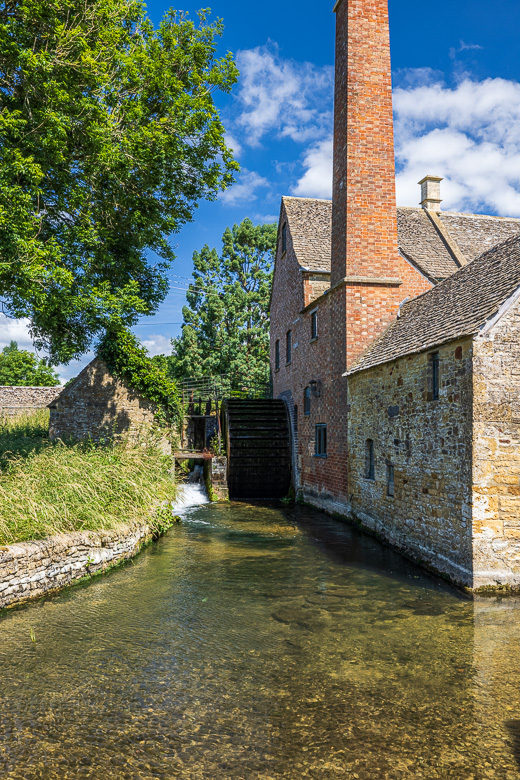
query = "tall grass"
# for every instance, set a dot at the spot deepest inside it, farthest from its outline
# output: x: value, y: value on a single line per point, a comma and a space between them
x: 48, y: 488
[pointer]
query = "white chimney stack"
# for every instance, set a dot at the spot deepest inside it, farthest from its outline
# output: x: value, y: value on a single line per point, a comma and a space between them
x: 431, y: 193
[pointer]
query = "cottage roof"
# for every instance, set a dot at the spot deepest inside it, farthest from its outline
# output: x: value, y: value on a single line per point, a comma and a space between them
x: 423, y: 242
x: 458, y: 306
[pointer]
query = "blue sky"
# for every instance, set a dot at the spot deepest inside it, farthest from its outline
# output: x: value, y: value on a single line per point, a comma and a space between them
x: 456, y: 74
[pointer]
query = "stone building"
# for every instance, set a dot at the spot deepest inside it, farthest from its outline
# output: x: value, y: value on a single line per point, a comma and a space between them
x: 96, y: 405
x: 15, y: 400
x: 395, y: 341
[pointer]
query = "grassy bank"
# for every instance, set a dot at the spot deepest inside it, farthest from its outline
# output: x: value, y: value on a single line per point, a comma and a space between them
x: 48, y: 488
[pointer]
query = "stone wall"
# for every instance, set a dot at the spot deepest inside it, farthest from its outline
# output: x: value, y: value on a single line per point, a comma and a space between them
x: 496, y: 453
x: 16, y: 400
x: 215, y: 477
x: 30, y: 569
x: 99, y: 406
x: 429, y: 444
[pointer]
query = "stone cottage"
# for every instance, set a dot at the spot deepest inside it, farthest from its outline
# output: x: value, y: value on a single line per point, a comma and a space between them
x: 96, y: 405
x: 395, y: 341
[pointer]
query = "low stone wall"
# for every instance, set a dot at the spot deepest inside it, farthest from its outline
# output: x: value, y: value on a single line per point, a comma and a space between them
x: 215, y: 477
x: 30, y: 569
x: 16, y: 400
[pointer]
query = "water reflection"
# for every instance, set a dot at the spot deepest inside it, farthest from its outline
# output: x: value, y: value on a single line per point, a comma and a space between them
x: 254, y: 642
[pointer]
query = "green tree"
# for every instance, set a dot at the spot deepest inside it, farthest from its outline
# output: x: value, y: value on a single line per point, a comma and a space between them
x: 23, y: 368
x: 109, y: 136
x: 226, y: 322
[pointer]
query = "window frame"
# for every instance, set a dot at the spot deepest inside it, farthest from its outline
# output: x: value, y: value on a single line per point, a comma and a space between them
x: 370, y: 460
x: 277, y: 355
x: 320, y: 440
x: 314, y: 325
x: 436, y: 375
x: 307, y: 402
x: 288, y: 348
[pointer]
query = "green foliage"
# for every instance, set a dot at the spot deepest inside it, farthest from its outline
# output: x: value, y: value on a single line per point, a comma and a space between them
x: 21, y: 367
x: 226, y: 322
x: 109, y: 136
x: 48, y: 488
x: 130, y: 362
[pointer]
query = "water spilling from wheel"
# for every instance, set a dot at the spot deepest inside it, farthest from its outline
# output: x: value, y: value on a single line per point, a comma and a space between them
x: 255, y: 642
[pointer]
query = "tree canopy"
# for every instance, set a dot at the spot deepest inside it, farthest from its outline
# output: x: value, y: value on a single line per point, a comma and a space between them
x: 109, y: 136
x: 226, y: 321
x: 23, y: 368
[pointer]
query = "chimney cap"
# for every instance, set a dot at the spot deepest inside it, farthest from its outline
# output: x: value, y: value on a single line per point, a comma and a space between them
x: 431, y: 193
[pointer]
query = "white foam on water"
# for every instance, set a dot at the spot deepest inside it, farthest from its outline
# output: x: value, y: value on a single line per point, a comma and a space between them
x: 190, y: 495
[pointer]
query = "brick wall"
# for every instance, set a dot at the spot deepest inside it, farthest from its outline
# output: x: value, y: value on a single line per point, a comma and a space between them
x: 97, y: 405
x: 496, y: 453
x: 429, y: 444
x: 16, y: 400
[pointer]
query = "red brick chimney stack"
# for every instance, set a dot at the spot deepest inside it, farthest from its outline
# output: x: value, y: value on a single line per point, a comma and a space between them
x: 364, y: 220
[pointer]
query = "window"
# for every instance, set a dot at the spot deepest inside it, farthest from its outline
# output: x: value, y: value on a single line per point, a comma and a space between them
x: 307, y: 401
x: 435, y: 375
x: 295, y: 418
x: 277, y: 355
x: 320, y: 441
x: 284, y: 238
x: 288, y: 347
x: 314, y: 325
x: 369, y: 460
x: 390, y: 488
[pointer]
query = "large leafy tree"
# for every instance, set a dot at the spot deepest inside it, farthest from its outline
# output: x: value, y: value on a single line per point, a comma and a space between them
x: 109, y: 136
x: 23, y: 368
x: 226, y: 321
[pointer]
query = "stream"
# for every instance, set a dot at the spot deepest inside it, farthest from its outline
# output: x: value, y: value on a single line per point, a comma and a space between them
x: 261, y: 642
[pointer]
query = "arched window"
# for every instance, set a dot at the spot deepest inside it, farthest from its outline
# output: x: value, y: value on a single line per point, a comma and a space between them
x: 307, y: 401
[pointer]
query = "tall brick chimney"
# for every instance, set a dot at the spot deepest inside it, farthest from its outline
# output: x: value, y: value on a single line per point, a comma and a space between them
x: 365, y: 255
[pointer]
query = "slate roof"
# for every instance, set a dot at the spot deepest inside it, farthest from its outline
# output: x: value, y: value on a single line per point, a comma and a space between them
x: 458, y: 306
x: 310, y: 220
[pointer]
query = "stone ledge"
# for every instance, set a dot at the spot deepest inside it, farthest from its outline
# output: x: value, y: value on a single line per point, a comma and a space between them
x: 28, y: 570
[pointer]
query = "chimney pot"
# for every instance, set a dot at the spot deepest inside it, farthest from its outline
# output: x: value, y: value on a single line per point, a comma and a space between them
x: 431, y: 193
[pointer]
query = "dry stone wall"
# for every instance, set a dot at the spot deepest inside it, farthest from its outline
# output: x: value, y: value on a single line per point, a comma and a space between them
x: 16, y: 400
x: 31, y: 569
x: 428, y: 443
x: 496, y: 453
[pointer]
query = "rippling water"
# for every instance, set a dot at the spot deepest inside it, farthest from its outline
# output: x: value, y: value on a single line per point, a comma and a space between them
x: 255, y: 642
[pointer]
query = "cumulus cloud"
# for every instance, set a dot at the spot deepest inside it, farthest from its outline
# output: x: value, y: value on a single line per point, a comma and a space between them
x: 157, y: 345
x: 316, y: 182
x: 470, y: 134
x: 290, y: 98
x: 15, y: 330
x: 244, y: 191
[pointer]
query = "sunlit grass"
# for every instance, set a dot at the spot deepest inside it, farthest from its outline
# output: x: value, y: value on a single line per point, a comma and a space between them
x: 48, y: 488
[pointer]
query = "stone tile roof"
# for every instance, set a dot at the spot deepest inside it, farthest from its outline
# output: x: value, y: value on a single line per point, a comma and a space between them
x: 458, y: 306
x: 310, y: 221
x: 310, y: 226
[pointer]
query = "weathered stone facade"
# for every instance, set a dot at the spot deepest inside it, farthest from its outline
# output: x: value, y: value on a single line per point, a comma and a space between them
x: 31, y: 569
x: 17, y: 400
x: 99, y: 406
x: 427, y: 442
x: 215, y: 477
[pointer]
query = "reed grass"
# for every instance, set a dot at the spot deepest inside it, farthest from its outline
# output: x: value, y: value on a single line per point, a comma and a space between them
x: 50, y: 487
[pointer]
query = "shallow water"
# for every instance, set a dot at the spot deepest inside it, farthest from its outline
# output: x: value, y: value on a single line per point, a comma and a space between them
x: 257, y: 642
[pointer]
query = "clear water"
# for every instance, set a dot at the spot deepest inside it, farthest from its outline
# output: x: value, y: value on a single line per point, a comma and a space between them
x: 257, y: 642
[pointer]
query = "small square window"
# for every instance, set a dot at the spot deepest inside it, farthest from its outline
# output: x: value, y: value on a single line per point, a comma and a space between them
x: 320, y: 441
x: 390, y: 488
x: 307, y: 401
x: 314, y: 325
x: 284, y: 237
x: 288, y: 347
x: 277, y: 355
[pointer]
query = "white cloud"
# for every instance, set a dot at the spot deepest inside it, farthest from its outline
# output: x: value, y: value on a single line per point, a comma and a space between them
x: 233, y: 144
x: 289, y: 98
x: 245, y: 188
x: 470, y: 134
x: 316, y: 182
x: 15, y: 330
x: 157, y: 345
